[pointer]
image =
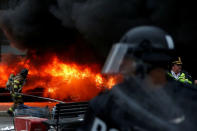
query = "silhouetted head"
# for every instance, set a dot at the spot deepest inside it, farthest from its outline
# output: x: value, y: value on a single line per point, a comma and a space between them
x: 24, y: 73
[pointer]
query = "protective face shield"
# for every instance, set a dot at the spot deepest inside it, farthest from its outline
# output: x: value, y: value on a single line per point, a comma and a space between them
x: 142, y: 44
x: 115, y: 58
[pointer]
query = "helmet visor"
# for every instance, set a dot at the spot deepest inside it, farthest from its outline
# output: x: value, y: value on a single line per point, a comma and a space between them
x: 115, y: 58
x: 119, y: 52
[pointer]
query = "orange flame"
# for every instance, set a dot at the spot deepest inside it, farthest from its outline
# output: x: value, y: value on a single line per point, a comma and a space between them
x: 60, y: 80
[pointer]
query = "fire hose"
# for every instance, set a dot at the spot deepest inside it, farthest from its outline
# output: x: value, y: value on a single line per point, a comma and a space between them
x: 45, y: 98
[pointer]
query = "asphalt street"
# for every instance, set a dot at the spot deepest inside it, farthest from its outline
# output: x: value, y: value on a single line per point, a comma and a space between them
x: 6, y: 123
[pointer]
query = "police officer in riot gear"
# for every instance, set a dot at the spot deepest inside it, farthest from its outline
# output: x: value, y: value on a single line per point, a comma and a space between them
x: 14, y: 85
x: 144, y: 101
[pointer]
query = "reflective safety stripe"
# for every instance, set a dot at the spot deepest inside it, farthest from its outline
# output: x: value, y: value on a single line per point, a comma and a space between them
x: 181, y: 78
x: 190, y: 82
x: 15, y: 95
x: 16, y: 81
x: 15, y: 86
x: 170, y: 74
x: 11, y: 109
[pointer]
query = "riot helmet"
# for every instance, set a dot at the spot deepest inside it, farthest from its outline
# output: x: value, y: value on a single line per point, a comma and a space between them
x: 157, y: 37
x: 149, y: 44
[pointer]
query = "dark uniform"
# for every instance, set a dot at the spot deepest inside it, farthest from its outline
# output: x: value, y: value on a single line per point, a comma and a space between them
x: 14, y: 85
x: 132, y: 106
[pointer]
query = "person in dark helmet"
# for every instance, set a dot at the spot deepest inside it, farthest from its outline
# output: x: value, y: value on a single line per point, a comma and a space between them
x: 145, y: 100
x: 14, y: 85
x: 176, y: 72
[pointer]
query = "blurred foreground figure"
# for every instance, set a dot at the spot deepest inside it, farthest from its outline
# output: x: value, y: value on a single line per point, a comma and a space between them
x: 145, y: 100
x: 14, y: 85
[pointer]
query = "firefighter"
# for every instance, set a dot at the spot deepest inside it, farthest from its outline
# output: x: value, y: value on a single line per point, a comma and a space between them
x: 177, y: 73
x: 14, y: 85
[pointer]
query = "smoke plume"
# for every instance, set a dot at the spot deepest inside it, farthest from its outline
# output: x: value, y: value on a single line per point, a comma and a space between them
x: 57, y: 24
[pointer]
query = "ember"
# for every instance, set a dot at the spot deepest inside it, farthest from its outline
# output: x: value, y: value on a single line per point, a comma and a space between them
x: 60, y: 80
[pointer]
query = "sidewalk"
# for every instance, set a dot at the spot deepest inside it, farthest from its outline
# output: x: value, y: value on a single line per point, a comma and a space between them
x: 5, y: 105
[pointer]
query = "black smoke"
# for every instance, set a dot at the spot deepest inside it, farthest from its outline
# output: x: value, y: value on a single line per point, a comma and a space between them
x: 31, y: 25
x: 97, y: 24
